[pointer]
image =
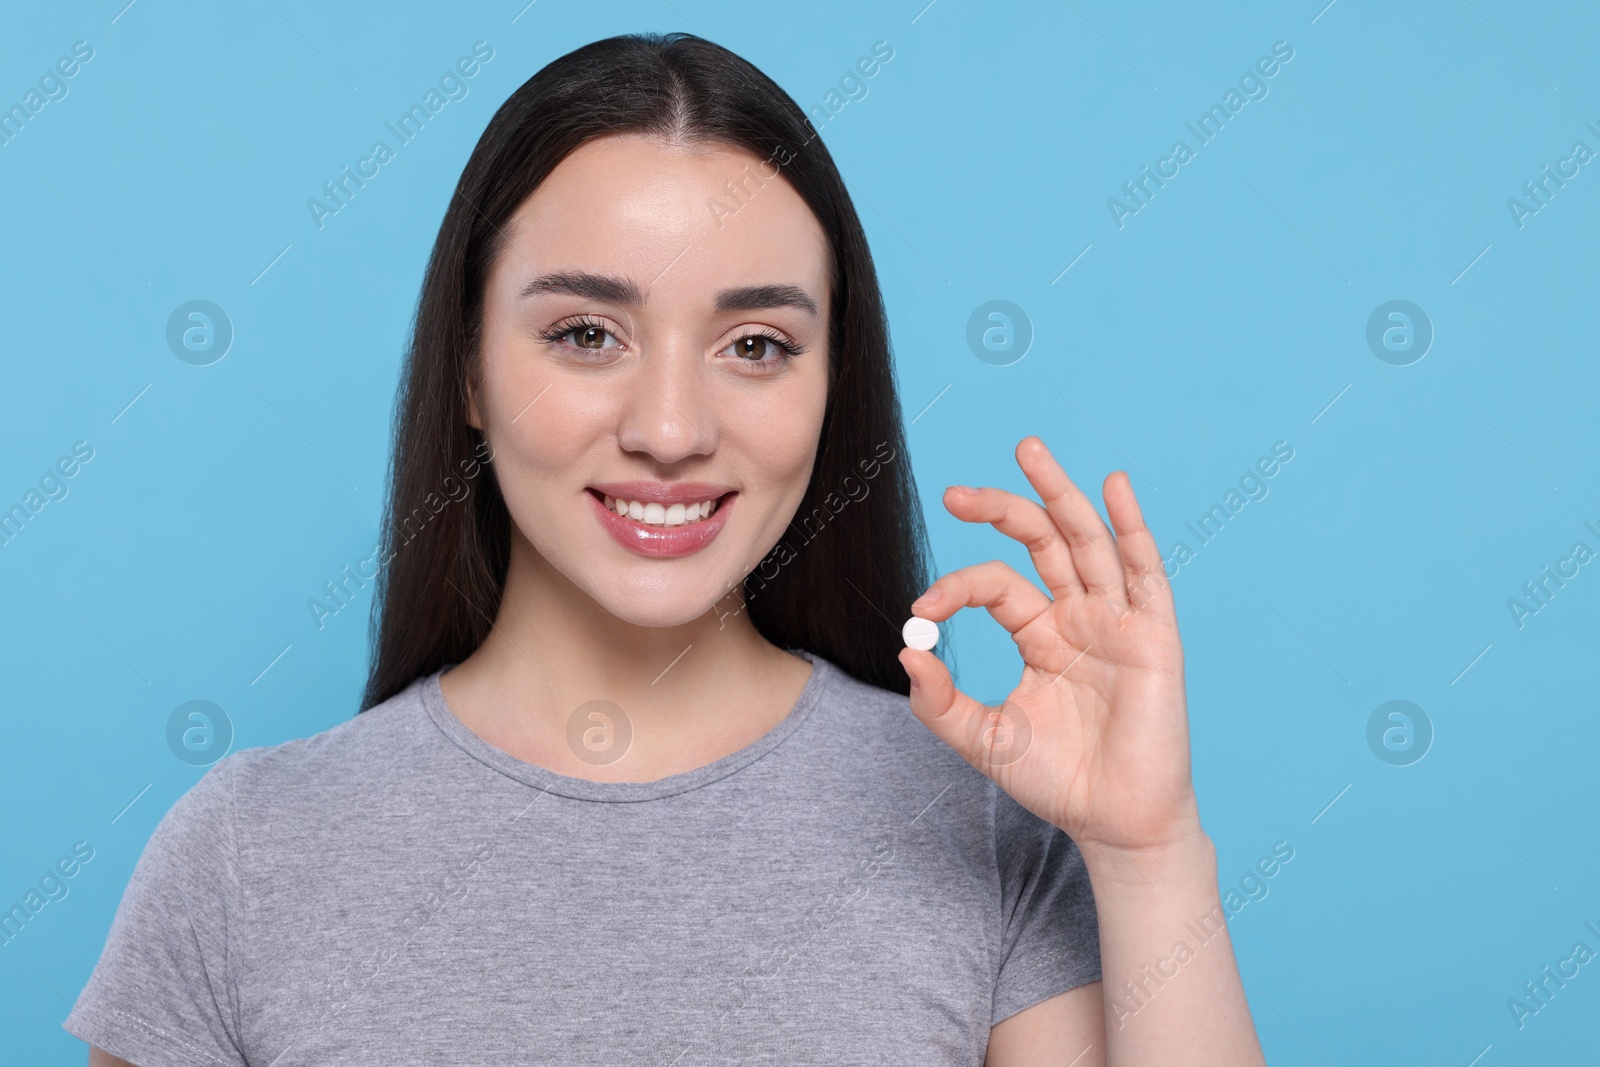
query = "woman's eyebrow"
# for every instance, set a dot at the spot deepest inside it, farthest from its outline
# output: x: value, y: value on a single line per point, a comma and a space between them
x: 756, y: 297
x: 625, y: 291
x: 582, y: 283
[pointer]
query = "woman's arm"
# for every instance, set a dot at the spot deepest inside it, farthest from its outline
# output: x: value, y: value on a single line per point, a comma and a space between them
x: 99, y: 1057
x: 1171, y: 992
x: 1095, y: 740
x: 1172, y: 989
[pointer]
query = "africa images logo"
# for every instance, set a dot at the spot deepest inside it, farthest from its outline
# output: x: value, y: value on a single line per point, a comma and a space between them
x: 1252, y: 86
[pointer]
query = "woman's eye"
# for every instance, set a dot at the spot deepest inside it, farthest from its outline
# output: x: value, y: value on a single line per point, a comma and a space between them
x: 759, y: 348
x: 593, y: 337
x: 588, y: 336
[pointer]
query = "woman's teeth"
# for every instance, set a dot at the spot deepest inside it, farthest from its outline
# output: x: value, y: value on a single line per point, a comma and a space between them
x: 661, y: 515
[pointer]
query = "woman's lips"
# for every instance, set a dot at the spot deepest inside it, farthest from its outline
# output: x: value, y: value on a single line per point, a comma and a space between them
x: 661, y: 542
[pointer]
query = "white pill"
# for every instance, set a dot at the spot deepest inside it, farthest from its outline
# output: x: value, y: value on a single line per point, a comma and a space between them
x: 920, y: 634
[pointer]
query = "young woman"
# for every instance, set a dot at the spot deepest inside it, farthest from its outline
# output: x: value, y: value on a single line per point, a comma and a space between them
x: 646, y: 773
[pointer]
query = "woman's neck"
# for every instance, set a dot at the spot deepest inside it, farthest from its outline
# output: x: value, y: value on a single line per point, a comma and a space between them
x: 675, y: 697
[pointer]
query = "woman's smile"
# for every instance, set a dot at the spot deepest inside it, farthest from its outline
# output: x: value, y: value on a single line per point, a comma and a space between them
x: 662, y: 520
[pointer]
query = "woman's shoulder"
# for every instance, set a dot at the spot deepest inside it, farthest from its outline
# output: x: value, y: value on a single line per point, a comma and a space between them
x: 866, y: 722
x: 862, y: 709
x: 872, y: 730
x: 382, y: 743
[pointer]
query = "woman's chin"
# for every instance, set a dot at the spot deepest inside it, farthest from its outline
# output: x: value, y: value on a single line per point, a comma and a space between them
x: 667, y: 606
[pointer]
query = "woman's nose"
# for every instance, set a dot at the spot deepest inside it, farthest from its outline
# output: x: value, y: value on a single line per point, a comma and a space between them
x: 666, y: 410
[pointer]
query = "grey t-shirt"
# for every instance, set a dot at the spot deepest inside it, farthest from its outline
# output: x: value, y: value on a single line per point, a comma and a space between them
x: 846, y: 890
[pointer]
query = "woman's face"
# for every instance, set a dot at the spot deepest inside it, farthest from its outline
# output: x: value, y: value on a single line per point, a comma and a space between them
x: 634, y: 333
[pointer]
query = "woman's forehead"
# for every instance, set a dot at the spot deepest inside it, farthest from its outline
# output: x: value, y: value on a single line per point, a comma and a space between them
x: 675, y: 218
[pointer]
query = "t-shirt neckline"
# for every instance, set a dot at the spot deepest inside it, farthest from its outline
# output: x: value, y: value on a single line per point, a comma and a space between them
x: 621, y: 792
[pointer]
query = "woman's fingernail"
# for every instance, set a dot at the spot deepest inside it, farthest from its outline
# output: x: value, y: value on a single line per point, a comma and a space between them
x: 930, y: 597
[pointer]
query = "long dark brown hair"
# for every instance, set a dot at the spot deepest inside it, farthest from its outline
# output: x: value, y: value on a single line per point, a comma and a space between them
x: 842, y: 579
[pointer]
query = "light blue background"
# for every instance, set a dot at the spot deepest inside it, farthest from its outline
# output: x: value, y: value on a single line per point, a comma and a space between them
x: 1225, y: 316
